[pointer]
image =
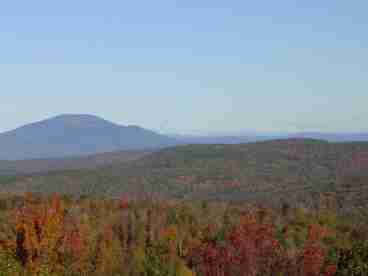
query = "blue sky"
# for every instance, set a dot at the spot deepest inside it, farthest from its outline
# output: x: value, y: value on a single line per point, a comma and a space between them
x: 188, y: 66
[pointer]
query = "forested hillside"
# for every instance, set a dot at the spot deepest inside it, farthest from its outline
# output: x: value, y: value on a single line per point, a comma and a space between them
x: 298, y: 171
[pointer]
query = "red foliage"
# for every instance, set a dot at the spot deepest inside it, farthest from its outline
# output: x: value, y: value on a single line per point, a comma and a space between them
x: 314, y: 254
x: 75, y: 242
x: 330, y: 270
x: 185, y: 179
x: 313, y: 260
x: 359, y: 160
x: 250, y: 249
x: 232, y: 183
x: 124, y: 202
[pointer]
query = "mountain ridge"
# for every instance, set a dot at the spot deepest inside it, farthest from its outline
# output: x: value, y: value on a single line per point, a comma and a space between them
x: 77, y: 135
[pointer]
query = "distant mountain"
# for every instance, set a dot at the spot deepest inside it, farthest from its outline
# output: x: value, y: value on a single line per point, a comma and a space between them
x: 76, y: 135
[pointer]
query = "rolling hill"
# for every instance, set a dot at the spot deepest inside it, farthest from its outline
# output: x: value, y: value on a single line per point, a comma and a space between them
x: 76, y: 135
x: 298, y: 171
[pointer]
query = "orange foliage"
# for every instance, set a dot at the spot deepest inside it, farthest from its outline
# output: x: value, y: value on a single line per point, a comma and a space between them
x: 39, y: 234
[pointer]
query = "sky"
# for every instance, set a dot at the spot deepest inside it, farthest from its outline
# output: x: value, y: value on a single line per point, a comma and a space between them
x: 188, y: 67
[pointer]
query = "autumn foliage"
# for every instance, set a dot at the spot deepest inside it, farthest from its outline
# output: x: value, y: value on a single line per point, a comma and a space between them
x: 63, y: 236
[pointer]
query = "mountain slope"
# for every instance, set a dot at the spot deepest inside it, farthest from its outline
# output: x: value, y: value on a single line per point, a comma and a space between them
x: 75, y: 135
x: 298, y: 171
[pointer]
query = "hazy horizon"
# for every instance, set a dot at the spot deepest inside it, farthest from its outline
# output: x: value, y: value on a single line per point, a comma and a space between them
x: 190, y: 134
x: 188, y: 67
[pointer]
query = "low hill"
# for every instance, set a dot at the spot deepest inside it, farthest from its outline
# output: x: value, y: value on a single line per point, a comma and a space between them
x: 33, y: 166
x: 76, y: 135
x: 298, y: 171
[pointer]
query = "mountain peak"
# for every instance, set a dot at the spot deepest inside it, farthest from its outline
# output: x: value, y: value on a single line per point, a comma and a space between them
x: 77, y: 117
x: 78, y: 120
x: 67, y: 116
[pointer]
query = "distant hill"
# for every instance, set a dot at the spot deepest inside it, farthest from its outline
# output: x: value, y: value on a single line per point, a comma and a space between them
x: 332, y: 137
x: 76, y: 135
x: 238, y: 139
x: 298, y: 171
x: 228, y: 140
